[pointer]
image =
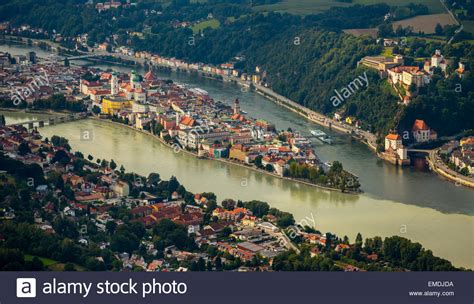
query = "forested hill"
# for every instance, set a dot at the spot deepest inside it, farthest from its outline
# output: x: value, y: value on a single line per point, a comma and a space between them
x: 308, y: 65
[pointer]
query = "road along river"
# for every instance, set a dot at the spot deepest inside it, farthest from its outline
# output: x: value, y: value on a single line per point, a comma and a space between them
x: 411, y: 202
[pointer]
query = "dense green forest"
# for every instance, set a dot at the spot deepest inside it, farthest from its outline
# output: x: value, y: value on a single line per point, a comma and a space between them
x: 305, y: 58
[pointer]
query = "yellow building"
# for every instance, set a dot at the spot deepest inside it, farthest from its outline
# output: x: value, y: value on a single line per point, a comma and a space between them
x: 256, y: 78
x: 350, y: 120
x: 113, y: 104
x: 238, y: 153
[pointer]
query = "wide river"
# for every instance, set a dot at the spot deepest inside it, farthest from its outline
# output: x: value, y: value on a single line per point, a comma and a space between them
x: 410, y: 202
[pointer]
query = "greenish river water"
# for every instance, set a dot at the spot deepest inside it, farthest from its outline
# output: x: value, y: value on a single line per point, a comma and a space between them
x: 411, y: 202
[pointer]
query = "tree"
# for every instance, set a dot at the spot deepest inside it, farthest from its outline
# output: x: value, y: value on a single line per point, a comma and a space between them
x: 153, y: 178
x: 439, y: 29
x: 358, y: 240
x: 90, y: 157
x: 400, y: 31
x: 110, y: 226
x: 211, y: 205
x: 173, y: 184
x: 124, y: 241
x: 258, y: 208
x: 345, y: 240
x: 65, y: 228
x: 464, y: 171
x: 104, y: 163
x: 385, y: 30
x: 96, y: 110
x: 113, y: 165
x: 228, y: 204
x: 36, y: 264
x: 60, y: 156
x: 218, y: 264
x: 24, y: 148
x: 59, y: 183
x: 226, y: 231
x: 58, y: 141
x: 286, y: 219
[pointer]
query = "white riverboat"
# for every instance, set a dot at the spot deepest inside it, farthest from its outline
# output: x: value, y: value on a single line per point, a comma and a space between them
x: 322, y: 136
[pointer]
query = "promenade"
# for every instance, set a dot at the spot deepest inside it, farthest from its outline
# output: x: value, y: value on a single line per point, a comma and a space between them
x: 438, y: 166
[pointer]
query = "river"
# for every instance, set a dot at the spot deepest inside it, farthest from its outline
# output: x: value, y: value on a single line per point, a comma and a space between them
x: 410, y: 202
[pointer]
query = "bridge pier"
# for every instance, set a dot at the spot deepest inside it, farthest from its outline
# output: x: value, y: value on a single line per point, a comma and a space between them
x: 30, y: 125
x: 51, y: 121
x: 41, y: 123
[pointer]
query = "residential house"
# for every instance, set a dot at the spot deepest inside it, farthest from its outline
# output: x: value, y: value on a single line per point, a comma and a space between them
x: 422, y: 132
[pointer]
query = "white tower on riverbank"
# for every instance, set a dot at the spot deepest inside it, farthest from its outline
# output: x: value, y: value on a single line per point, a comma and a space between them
x: 114, y: 87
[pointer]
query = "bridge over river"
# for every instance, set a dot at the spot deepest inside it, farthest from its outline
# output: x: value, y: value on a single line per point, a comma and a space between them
x: 51, y: 120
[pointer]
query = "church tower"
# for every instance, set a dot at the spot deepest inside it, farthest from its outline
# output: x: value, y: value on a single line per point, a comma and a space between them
x: 114, y: 84
x: 236, y: 106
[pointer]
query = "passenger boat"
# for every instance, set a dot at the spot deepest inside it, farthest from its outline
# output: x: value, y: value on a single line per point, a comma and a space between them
x: 322, y: 136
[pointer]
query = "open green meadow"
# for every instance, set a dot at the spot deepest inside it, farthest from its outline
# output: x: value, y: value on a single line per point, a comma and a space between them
x: 434, y: 6
x: 306, y: 7
x: 211, y: 23
x: 301, y: 7
x: 52, y: 265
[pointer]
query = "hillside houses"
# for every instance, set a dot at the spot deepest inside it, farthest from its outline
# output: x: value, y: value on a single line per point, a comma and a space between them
x: 422, y: 132
x: 406, y: 80
x: 460, y: 155
x: 152, y: 214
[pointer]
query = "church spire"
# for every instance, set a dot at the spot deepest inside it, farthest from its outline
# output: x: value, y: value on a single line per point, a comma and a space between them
x: 236, y: 106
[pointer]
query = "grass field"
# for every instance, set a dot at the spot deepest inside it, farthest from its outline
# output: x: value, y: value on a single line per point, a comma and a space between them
x: 60, y: 267
x: 387, y: 51
x: 46, y: 262
x: 372, y: 32
x: 211, y: 23
x: 434, y: 6
x: 426, y: 23
x: 52, y: 265
x: 306, y: 7
x: 301, y: 7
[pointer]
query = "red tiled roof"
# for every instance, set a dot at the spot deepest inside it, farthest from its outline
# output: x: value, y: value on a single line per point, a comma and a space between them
x: 420, y: 125
x: 393, y: 137
x: 188, y: 121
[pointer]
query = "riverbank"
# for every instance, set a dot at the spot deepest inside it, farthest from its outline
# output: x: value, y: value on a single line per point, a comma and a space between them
x: 441, y: 169
x: 176, y: 149
x: 368, y: 213
x: 364, y: 137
